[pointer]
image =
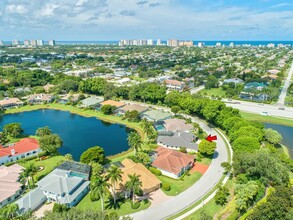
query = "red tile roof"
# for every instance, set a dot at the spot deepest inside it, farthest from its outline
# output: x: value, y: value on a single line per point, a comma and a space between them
x: 23, y: 146
x: 171, y: 160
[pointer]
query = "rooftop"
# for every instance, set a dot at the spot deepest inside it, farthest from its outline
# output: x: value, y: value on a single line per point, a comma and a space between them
x: 171, y: 160
x: 113, y: 103
x: 179, y: 139
x: 175, y: 124
x: 134, y: 107
x: 20, y: 147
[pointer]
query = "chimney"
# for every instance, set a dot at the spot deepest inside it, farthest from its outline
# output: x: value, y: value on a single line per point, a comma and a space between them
x: 12, y: 152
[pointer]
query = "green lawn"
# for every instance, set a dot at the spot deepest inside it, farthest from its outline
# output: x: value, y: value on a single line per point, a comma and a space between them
x: 211, y: 208
x: 213, y: 92
x: 180, y: 185
x: 48, y: 164
x: 270, y: 119
x: 125, y: 208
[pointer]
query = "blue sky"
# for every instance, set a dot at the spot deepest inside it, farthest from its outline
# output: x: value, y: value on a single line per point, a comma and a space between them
x: 131, y: 19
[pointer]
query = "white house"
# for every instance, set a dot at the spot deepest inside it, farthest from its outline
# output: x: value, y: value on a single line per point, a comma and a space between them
x: 26, y: 147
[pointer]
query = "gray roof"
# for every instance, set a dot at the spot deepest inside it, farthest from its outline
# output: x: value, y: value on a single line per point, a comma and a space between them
x: 68, y: 198
x: 76, y: 167
x: 179, y: 139
x: 91, y: 101
x: 58, y: 182
x: 156, y: 115
x: 31, y: 200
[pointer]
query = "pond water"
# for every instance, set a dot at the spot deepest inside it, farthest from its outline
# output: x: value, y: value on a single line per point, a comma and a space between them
x: 286, y: 132
x: 77, y: 132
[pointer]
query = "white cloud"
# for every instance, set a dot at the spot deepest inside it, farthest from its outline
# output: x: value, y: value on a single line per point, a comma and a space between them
x: 16, y: 9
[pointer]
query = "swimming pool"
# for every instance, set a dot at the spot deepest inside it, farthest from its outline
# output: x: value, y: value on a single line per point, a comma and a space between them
x: 160, y: 127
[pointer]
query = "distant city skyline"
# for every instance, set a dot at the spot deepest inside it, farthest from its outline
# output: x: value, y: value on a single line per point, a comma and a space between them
x: 88, y: 20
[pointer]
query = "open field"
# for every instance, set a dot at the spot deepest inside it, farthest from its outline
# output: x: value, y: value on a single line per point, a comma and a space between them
x: 269, y: 119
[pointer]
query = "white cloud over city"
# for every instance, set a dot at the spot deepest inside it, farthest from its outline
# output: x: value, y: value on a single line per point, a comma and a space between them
x: 116, y: 19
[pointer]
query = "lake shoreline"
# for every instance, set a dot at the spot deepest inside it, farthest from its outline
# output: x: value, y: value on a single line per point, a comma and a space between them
x: 84, y: 113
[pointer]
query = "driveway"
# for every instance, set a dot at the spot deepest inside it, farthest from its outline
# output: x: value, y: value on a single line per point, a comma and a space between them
x: 158, y: 197
x: 41, y: 210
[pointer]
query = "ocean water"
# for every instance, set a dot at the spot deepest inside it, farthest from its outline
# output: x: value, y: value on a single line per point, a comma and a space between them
x: 207, y: 43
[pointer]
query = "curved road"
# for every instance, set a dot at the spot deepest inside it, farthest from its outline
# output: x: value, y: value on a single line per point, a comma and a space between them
x: 197, y: 191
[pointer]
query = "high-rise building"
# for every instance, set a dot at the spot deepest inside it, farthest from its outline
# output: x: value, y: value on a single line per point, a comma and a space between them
x: 150, y: 42
x: 1, y: 43
x: 173, y: 43
x: 159, y: 43
x: 40, y: 42
x: 52, y: 43
x: 15, y: 42
x: 26, y: 43
x: 200, y: 44
x: 271, y: 45
x: 231, y: 44
x: 186, y: 43
x: 218, y: 44
x: 34, y: 42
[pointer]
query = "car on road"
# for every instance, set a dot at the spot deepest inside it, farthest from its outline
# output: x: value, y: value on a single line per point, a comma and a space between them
x: 281, y: 108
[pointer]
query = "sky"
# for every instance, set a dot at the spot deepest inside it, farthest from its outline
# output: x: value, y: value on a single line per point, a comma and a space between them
x: 146, y: 19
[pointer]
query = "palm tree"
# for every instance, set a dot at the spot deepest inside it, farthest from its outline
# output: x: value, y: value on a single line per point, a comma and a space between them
x: 100, y: 184
x: 134, y: 140
x: 10, y: 211
x: 133, y: 184
x: 114, y: 175
x: 68, y: 157
x: 147, y: 127
x: 30, y: 171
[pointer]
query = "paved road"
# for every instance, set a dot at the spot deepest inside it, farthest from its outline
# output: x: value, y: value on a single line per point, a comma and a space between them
x: 281, y: 101
x: 197, y: 191
x: 252, y: 107
x: 196, y: 89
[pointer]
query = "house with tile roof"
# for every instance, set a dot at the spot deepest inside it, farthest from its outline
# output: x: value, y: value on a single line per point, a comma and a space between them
x: 176, y: 85
x: 10, y: 187
x: 26, y: 147
x: 113, y: 103
x: 172, y: 163
x: 132, y: 107
x: 40, y: 98
x: 66, y: 185
x: 149, y: 181
x: 176, y: 124
x: 10, y: 103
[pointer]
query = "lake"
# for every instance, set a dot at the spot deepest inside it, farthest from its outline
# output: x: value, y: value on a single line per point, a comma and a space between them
x: 286, y: 132
x: 77, y: 132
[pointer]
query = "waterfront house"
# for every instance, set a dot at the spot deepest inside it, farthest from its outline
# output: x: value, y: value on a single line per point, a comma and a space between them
x: 10, y: 187
x: 26, y: 147
x: 172, y: 163
x: 91, y: 102
x: 116, y: 104
x: 156, y: 115
x: 10, y: 103
x: 40, y: 98
x: 132, y: 107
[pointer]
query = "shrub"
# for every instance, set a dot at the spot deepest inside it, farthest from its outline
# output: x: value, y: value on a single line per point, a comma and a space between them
x: 60, y: 208
x: 166, y: 187
x: 183, y: 150
x: 94, y: 196
x: 155, y: 171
